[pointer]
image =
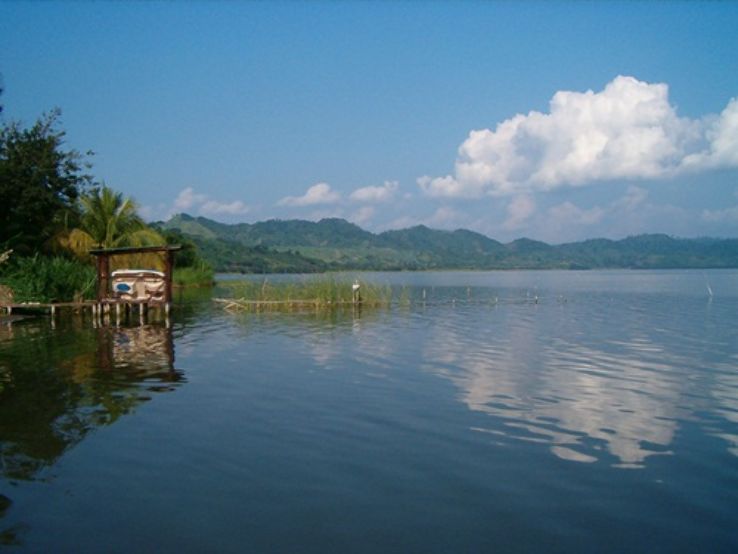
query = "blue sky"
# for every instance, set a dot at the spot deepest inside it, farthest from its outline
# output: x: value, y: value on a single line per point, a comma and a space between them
x: 556, y: 121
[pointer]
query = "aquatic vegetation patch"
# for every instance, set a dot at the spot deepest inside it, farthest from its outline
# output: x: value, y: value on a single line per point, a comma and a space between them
x: 200, y: 275
x: 313, y: 292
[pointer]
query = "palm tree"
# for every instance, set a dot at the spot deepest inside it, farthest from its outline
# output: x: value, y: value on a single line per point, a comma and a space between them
x: 108, y: 220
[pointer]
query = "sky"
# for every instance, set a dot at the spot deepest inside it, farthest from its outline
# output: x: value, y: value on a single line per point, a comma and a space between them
x: 557, y: 121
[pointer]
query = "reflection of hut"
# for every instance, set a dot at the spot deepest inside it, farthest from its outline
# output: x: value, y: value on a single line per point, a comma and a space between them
x: 135, y: 286
x: 146, y: 350
x: 112, y: 372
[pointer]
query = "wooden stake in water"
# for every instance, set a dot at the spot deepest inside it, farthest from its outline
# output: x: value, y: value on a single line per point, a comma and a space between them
x: 709, y: 289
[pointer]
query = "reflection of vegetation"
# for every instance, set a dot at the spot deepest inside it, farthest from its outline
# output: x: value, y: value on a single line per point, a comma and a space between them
x: 9, y: 536
x: 56, y: 386
x: 190, y: 305
x: 339, y: 319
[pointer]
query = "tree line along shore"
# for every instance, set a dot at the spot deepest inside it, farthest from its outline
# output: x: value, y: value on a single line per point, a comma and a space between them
x: 53, y: 211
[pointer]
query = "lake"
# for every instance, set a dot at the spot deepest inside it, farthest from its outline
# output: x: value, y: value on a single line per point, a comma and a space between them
x: 482, y: 411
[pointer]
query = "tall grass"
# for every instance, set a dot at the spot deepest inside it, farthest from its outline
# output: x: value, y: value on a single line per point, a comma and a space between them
x: 43, y: 279
x: 322, y: 292
x: 201, y: 275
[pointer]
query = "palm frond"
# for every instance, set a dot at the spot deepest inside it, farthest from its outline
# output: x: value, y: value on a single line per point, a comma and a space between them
x: 109, y: 220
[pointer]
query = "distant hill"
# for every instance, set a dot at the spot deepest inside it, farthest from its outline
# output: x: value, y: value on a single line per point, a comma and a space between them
x: 336, y: 244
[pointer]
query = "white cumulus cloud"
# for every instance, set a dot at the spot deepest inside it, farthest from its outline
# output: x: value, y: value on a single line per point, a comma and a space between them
x: 629, y: 130
x: 519, y: 211
x: 450, y: 187
x: 363, y: 215
x: 570, y: 214
x: 444, y: 217
x: 211, y: 207
x: 383, y: 193
x: 722, y: 137
x: 190, y: 201
x: 320, y: 193
x: 725, y: 215
x: 634, y: 196
x: 187, y: 199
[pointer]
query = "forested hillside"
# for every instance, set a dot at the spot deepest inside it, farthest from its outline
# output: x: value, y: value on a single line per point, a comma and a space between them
x: 336, y: 244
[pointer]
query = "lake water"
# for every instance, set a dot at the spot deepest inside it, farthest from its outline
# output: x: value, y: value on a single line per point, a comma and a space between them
x: 484, y: 411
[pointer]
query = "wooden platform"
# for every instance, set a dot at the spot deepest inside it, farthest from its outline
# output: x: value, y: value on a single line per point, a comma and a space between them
x: 101, y: 312
x: 46, y: 307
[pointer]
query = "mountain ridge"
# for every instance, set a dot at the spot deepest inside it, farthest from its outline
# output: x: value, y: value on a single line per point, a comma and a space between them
x: 337, y: 244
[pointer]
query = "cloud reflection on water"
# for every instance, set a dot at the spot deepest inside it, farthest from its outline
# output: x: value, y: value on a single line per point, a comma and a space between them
x: 603, y: 375
x: 582, y: 385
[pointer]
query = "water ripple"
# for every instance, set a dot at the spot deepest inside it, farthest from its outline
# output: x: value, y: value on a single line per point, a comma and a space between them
x: 606, y: 374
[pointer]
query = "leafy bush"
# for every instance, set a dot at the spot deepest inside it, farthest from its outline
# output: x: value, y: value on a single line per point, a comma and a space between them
x: 198, y: 275
x: 44, y: 279
x: 40, y: 183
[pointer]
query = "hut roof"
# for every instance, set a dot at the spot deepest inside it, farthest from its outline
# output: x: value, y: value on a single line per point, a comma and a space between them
x: 134, y: 249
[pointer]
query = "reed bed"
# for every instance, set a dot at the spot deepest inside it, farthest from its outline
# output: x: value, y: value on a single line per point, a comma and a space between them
x: 197, y: 276
x: 313, y: 293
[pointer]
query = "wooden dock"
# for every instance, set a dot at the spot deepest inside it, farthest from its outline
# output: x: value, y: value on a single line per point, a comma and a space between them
x: 123, y: 302
x: 101, y: 312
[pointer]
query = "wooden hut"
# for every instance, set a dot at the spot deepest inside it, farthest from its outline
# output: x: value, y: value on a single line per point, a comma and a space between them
x: 141, y: 287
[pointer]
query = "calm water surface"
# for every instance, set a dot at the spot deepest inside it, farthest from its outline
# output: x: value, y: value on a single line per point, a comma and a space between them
x: 483, y: 411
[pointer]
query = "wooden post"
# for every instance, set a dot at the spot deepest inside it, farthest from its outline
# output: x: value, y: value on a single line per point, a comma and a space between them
x: 103, y: 277
x: 106, y: 284
x: 356, y: 292
x: 98, y: 268
x: 168, y: 271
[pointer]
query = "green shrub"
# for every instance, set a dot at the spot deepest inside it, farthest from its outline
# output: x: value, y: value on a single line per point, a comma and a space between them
x: 200, y: 274
x: 46, y: 279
